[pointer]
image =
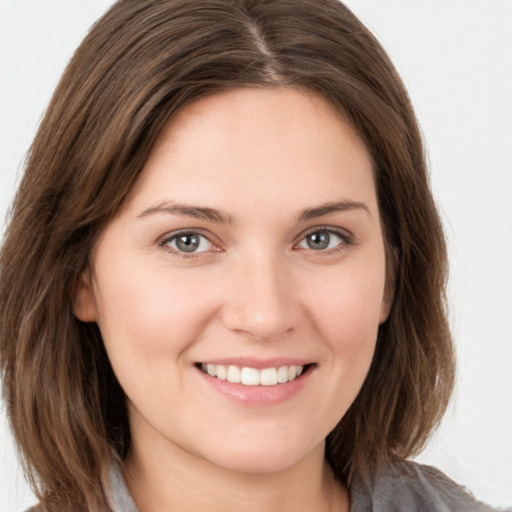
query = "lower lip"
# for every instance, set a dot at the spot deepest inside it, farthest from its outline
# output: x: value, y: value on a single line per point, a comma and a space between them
x: 258, y: 395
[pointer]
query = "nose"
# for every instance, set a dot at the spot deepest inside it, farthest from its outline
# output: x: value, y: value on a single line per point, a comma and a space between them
x: 260, y: 299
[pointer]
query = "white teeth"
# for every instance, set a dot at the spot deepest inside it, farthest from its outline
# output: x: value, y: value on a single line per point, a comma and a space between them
x: 233, y: 374
x: 221, y: 372
x: 268, y: 377
x: 252, y: 376
x: 282, y: 374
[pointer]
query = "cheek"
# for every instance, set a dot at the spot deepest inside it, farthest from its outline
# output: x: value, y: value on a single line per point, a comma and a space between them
x: 148, y: 322
x: 148, y: 317
x: 348, y: 309
x: 345, y: 315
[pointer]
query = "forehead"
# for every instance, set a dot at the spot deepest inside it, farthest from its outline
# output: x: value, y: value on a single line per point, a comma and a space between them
x: 258, y: 145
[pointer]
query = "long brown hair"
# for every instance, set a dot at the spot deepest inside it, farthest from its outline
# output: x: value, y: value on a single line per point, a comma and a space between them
x: 139, y: 64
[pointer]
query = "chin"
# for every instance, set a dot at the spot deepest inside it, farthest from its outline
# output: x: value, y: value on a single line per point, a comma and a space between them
x: 256, y: 464
x: 262, y: 458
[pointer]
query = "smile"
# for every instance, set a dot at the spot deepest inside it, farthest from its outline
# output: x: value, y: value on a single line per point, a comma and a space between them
x: 252, y: 376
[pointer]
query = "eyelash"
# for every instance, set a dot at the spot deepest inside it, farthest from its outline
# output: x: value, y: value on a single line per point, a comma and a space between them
x: 167, y: 239
x: 345, y: 236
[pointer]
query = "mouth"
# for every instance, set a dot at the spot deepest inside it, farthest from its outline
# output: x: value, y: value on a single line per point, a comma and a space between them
x: 248, y: 376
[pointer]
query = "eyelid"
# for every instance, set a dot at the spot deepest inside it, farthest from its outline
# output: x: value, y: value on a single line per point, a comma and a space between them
x: 168, y: 237
x: 344, y: 234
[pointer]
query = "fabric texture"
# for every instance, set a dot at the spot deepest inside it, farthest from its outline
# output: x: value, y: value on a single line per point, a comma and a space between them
x: 412, y: 487
x: 407, y: 487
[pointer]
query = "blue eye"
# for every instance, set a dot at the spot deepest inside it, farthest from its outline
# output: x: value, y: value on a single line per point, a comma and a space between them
x: 187, y: 242
x: 322, y: 240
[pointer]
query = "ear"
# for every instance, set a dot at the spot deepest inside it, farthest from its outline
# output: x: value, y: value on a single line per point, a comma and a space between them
x: 385, y: 307
x: 84, y: 306
x: 390, y: 286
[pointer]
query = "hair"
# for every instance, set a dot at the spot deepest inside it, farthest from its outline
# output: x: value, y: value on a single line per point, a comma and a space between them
x: 140, y: 63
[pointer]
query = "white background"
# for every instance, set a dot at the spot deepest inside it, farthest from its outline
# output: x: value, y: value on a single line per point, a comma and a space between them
x: 455, y: 57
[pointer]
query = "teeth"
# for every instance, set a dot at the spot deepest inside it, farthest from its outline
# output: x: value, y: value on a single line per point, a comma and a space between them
x: 282, y: 374
x: 252, y: 376
x: 268, y: 377
x: 211, y: 370
x: 249, y: 376
x: 233, y: 374
x: 221, y: 372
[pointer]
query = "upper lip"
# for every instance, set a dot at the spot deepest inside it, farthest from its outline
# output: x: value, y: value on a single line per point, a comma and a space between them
x: 258, y: 364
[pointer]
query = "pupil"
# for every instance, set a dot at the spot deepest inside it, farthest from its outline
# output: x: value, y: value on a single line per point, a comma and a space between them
x: 187, y: 243
x: 319, y: 240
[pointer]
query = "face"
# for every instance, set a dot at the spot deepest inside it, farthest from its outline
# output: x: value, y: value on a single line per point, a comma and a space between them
x: 240, y: 288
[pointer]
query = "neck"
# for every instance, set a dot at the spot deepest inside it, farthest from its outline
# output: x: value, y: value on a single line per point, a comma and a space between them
x: 173, y: 479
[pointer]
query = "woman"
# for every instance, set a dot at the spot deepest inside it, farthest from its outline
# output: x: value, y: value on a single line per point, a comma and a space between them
x: 223, y: 281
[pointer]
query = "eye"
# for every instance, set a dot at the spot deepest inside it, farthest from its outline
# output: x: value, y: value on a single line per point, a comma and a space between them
x: 323, y: 240
x: 187, y: 242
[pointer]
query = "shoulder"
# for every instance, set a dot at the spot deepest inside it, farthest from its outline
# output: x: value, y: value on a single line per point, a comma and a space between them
x: 409, y: 487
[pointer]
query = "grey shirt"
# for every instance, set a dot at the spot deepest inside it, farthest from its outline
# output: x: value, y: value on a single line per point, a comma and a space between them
x: 407, y: 487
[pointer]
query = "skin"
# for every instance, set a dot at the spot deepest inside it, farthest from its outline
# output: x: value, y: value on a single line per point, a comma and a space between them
x: 255, y: 288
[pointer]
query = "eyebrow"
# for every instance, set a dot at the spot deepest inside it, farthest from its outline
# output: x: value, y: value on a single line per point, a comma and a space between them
x: 196, y: 212
x: 330, y: 208
x: 219, y: 217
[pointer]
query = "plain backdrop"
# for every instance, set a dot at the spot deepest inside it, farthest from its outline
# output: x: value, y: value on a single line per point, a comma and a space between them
x: 455, y: 57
